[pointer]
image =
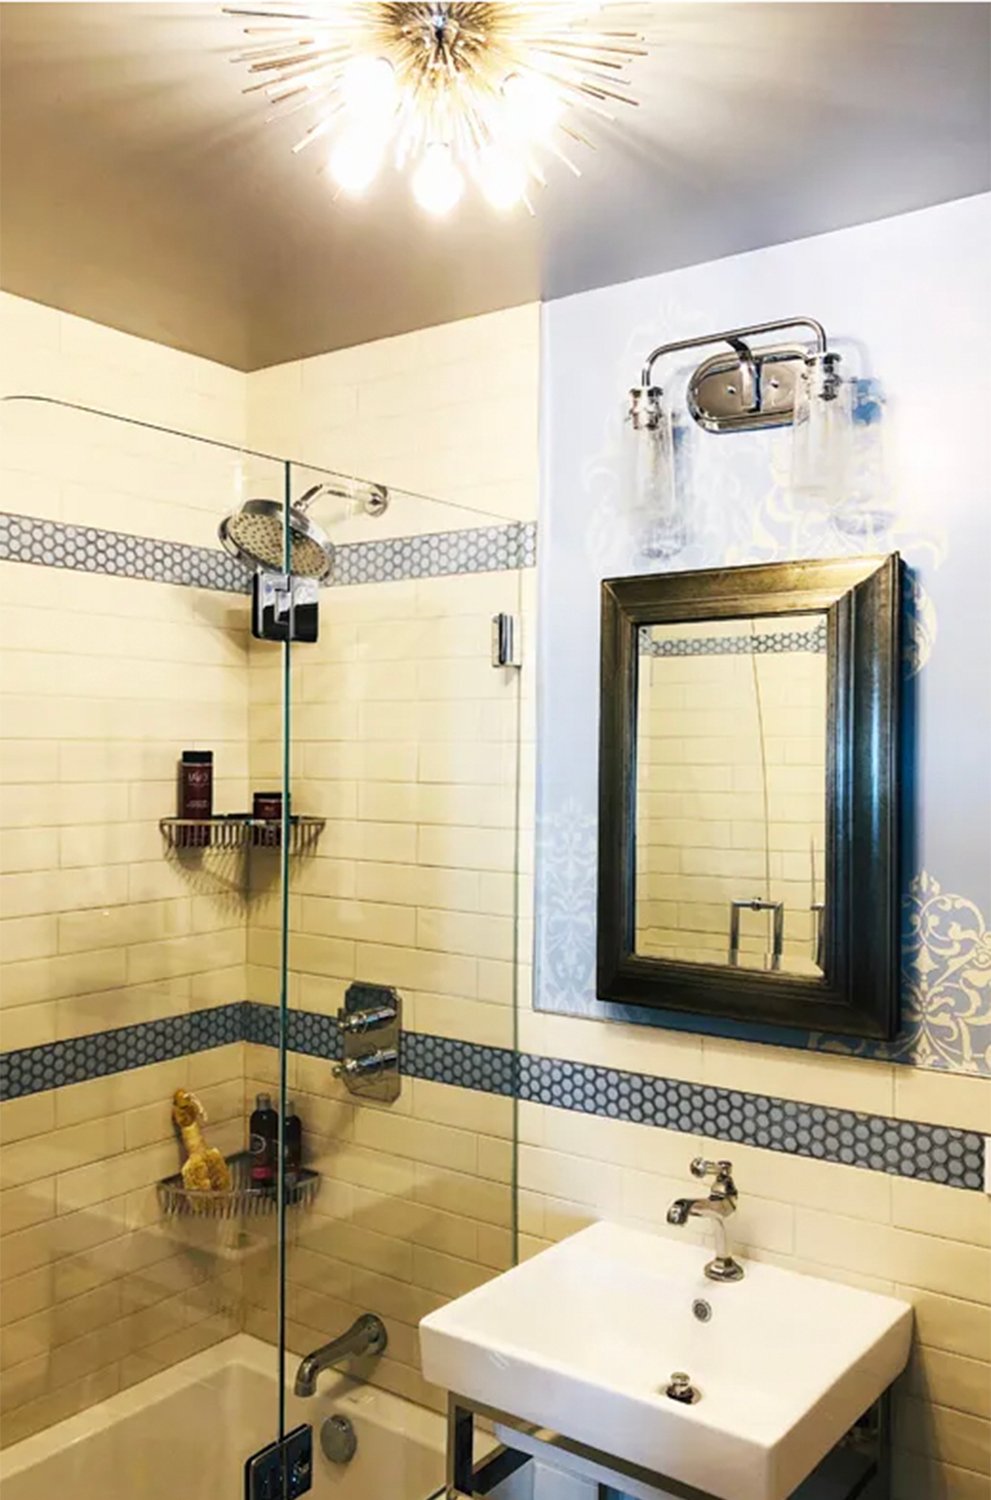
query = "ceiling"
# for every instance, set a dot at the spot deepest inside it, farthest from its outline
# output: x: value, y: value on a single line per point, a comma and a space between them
x: 141, y: 188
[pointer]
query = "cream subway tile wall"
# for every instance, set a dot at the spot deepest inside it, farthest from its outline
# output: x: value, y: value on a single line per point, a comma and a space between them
x: 408, y: 1216
x: 70, y: 466
x: 103, y: 681
x: 449, y: 411
x: 407, y: 741
x: 92, y: 1280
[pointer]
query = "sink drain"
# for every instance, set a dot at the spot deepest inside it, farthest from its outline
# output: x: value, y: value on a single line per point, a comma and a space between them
x: 680, y: 1388
x: 702, y: 1309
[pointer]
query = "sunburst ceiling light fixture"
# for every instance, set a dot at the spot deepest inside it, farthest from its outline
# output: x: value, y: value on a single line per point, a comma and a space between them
x: 452, y: 91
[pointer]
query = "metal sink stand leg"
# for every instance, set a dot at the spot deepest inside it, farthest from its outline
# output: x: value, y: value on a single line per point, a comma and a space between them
x: 869, y: 1439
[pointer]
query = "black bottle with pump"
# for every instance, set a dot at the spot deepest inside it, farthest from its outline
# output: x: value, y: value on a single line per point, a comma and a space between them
x: 263, y: 1143
x: 294, y: 1144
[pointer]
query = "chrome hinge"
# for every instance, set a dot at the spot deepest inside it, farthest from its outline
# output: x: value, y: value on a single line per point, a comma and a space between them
x: 285, y: 608
x: 505, y: 645
x: 283, y: 1470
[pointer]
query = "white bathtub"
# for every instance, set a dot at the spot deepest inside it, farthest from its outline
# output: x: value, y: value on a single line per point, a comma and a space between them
x: 184, y: 1435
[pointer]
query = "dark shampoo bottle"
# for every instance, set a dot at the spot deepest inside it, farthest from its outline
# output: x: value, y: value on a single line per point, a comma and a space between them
x: 294, y: 1144
x: 196, y: 795
x: 263, y: 1142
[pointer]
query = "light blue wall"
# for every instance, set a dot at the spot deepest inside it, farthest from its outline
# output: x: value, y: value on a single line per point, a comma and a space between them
x: 907, y: 302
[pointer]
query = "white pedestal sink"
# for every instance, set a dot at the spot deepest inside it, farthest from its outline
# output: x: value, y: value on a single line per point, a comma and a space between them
x: 583, y: 1339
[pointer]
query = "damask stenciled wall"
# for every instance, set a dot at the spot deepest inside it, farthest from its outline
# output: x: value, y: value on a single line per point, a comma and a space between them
x: 907, y: 303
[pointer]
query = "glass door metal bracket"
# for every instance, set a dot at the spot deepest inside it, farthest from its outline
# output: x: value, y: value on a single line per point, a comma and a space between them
x: 282, y: 1470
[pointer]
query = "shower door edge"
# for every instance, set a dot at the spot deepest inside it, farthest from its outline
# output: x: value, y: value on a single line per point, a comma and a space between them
x: 283, y: 1027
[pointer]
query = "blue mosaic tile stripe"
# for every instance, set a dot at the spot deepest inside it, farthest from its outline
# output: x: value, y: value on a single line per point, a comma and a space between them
x: 482, y: 549
x: 261, y: 1024
x: 467, y: 1065
x: 88, y: 549
x: 32, y: 1070
x: 470, y: 1065
x: 768, y: 643
x: 902, y: 1148
x: 307, y: 1031
x: 313, y: 1034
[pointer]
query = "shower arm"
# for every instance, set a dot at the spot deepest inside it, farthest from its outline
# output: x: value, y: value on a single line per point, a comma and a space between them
x: 375, y: 502
x: 736, y: 338
x: 307, y: 498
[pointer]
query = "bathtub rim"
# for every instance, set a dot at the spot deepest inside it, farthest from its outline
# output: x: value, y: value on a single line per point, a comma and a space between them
x: 398, y: 1414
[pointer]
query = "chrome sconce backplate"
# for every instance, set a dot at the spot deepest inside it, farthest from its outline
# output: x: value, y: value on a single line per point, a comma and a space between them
x: 739, y: 388
x: 721, y: 397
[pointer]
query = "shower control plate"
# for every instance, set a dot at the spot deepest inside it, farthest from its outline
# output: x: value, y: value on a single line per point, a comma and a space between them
x: 369, y: 1025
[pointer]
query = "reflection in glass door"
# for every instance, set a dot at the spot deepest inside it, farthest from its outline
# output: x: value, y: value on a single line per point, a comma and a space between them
x: 175, y: 969
x: 129, y: 1209
x: 401, y: 918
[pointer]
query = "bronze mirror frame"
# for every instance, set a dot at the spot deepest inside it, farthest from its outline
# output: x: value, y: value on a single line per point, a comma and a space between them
x: 861, y: 600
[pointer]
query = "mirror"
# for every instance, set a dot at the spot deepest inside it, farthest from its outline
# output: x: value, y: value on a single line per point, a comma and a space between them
x: 731, y: 792
x: 748, y: 793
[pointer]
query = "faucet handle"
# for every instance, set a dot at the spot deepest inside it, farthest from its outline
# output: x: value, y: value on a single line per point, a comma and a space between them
x: 722, y: 1171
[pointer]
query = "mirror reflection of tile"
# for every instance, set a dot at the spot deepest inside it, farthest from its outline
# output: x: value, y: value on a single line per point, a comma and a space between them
x: 731, y: 796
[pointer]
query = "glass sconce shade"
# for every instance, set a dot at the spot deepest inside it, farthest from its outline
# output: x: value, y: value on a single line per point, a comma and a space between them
x: 838, y: 457
x: 822, y: 431
x: 651, y: 480
x: 866, y: 509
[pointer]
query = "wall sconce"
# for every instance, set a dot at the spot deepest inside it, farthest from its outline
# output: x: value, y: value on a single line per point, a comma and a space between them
x: 822, y: 420
x: 744, y: 389
x: 652, y: 474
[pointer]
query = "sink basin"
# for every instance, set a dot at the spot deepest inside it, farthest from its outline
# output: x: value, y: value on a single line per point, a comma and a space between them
x: 583, y: 1340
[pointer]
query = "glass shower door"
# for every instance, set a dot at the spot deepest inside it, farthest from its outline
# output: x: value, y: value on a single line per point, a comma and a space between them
x: 360, y: 852
x: 392, y: 954
x: 124, y: 661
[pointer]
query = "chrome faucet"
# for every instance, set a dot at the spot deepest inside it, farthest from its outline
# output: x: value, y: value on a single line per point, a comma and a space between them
x: 720, y: 1203
x: 367, y: 1335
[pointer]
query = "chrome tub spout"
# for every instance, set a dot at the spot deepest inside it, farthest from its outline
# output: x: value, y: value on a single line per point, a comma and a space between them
x: 367, y: 1335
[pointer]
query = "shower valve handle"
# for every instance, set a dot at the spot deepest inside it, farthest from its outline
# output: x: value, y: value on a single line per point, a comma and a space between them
x: 357, y: 1022
x: 371, y: 1062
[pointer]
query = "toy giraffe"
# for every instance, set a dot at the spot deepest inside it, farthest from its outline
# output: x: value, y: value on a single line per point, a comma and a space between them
x: 204, y: 1169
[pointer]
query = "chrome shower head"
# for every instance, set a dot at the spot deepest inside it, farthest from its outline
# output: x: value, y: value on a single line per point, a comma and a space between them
x: 254, y: 533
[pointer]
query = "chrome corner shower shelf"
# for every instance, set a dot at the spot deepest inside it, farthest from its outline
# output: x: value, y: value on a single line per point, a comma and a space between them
x: 243, y: 1199
x: 239, y: 831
